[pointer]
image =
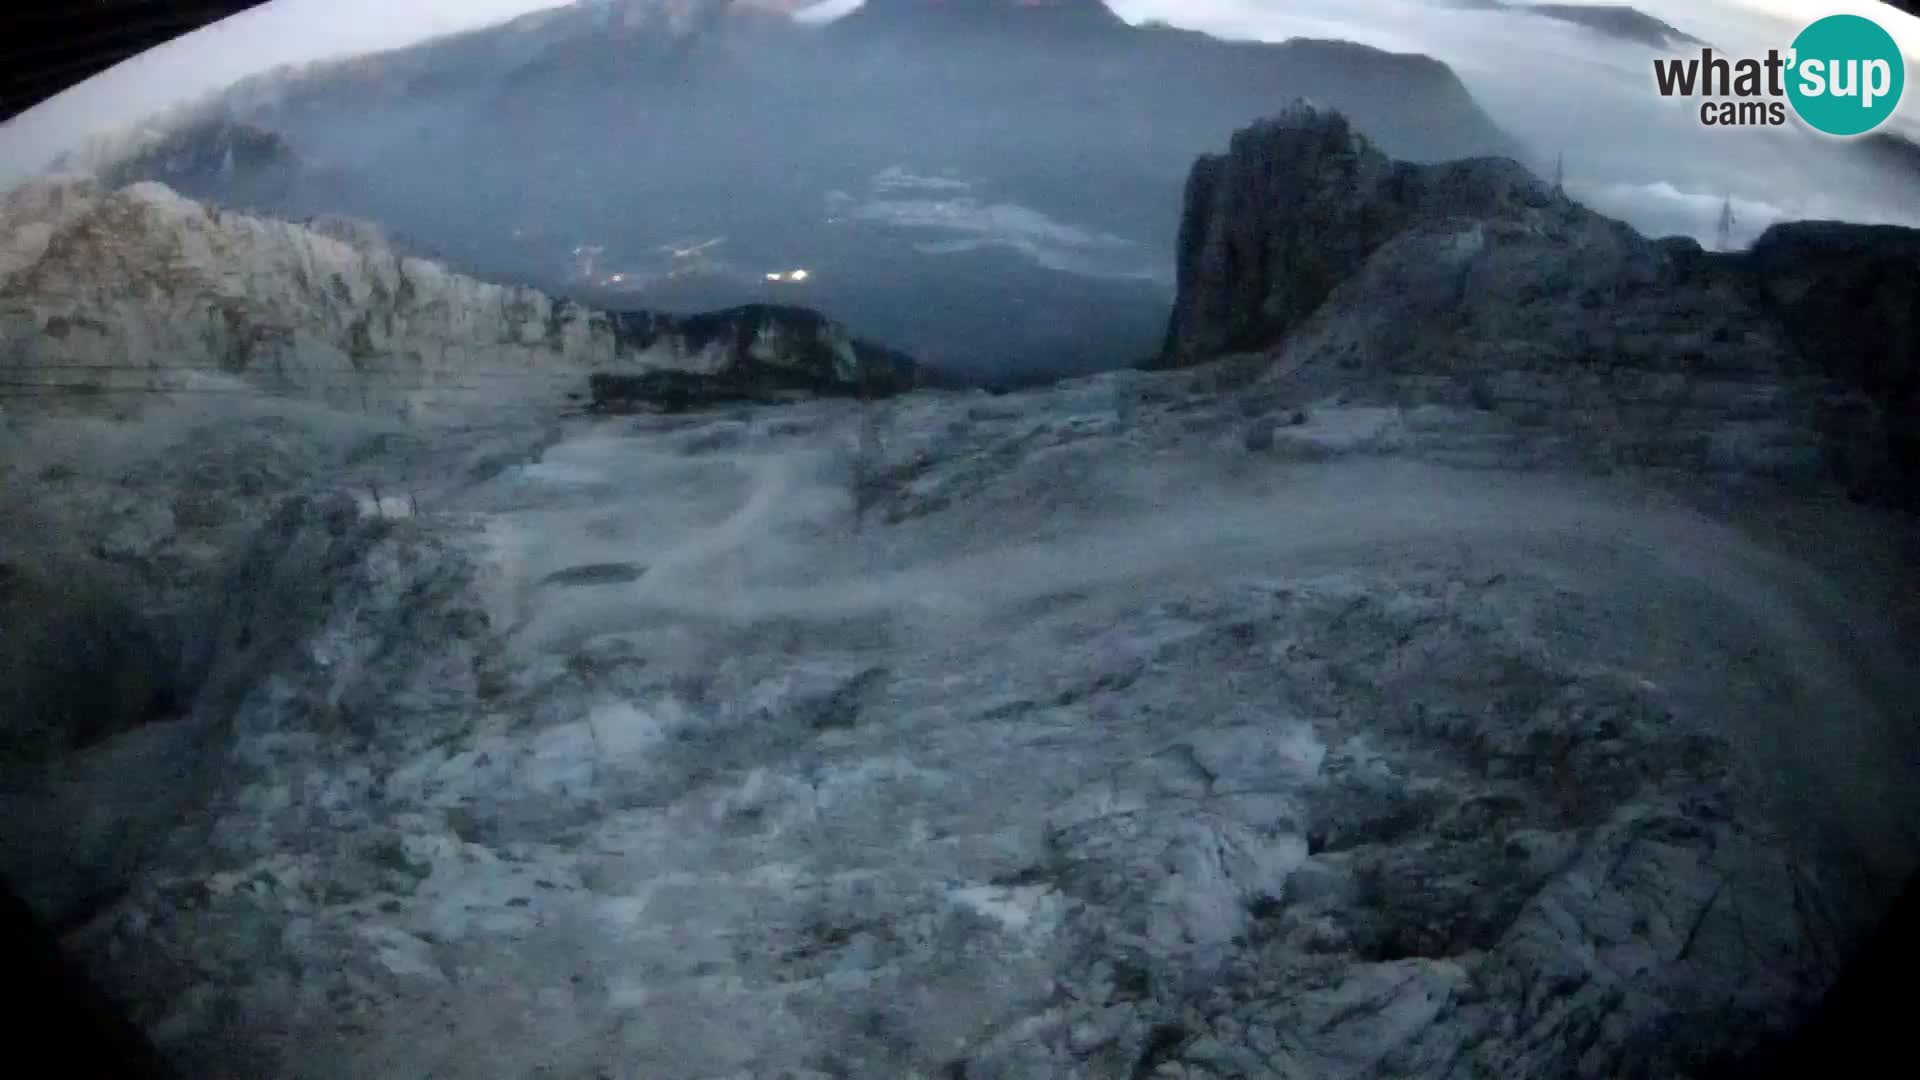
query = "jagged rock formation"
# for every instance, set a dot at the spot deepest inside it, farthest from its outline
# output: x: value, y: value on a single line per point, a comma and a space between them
x: 1297, y: 206
x: 1473, y: 285
x: 117, y: 292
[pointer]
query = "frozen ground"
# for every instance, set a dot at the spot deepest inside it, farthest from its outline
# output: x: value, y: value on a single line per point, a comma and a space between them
x: 1093, y: 732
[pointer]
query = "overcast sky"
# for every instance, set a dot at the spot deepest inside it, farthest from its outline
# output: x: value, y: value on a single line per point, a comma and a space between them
x: 1536, y: 76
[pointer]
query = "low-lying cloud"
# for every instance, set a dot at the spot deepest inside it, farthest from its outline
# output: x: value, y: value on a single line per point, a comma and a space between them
x: 955, y: 221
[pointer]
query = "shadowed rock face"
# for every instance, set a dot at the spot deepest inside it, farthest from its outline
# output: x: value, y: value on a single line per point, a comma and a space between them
x: 1849, y: 296
x: 67, y: 1018
x: 78, y: 662
x: 1476, y: 283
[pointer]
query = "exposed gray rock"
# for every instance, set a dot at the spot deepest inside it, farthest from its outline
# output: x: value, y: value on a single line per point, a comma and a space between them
x: 1092, y: 750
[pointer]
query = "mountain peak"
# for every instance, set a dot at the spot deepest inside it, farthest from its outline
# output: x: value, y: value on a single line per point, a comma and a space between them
x: 1048, y: 15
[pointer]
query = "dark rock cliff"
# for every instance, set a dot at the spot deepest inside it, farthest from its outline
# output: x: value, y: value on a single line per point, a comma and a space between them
x: 1475, y: 284
x: 1296, y: 206
x: 1849, y: 298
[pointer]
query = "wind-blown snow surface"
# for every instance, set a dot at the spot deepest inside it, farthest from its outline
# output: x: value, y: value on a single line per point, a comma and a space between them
x: 1049, y: 735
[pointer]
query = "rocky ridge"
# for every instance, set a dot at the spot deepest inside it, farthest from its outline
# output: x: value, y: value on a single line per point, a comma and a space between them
x: 1475, y: 290
x: 106, y: 294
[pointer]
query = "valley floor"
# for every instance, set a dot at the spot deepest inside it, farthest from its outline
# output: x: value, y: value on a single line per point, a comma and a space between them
x: 1067, y: 733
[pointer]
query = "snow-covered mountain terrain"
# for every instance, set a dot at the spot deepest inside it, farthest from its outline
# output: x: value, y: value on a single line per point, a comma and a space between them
x: 1336, y: 702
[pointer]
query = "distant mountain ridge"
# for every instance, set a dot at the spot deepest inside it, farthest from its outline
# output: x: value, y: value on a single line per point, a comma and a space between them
x: 575, y: 149
x: 1614, y: 20
x: 1035, y: 17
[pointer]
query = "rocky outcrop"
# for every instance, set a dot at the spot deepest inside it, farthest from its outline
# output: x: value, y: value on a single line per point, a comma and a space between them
x: 140, y: 290
x: 1474, y: 284
x: 1296, y: 206
x: 1301, y: 204
x: 779, y: 352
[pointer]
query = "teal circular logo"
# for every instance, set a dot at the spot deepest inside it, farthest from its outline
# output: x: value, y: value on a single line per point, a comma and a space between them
x: 1846, y: 75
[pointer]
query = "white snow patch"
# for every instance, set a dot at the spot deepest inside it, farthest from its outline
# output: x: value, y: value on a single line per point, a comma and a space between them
x: 403, y: 954
x: 1259, y: 756
x: 558, y: 474
x: 386, y: 506
x: 623, y: 730
x: 1347, y: 430
x: 623, y: 911
x: 563, y: 758
x: 1020, y: 909
x: 627, y: 993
